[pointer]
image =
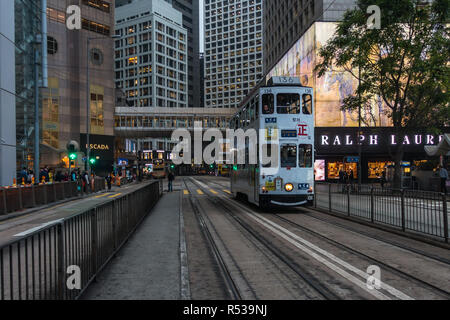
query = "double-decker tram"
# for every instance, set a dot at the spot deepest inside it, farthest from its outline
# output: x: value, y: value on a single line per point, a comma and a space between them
x: 282, y: 114
x: 159, y: 164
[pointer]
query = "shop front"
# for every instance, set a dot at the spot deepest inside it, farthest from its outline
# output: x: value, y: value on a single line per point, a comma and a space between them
x: 337, y: 150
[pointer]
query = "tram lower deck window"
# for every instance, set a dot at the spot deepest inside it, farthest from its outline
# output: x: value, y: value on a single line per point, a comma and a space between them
x: 305, y: 156
x: 288, y: 156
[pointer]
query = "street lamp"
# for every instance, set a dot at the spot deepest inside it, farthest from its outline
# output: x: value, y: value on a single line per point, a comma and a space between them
x: 88, y: 98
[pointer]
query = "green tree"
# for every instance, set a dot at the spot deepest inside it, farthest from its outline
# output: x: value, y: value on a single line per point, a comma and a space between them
x: 405, y: 62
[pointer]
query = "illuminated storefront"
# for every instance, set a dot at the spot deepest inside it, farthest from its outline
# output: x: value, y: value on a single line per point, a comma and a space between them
x: 337, y: 149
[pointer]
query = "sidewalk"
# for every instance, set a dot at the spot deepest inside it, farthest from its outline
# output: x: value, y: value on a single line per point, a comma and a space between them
x: 148, y: 266
x: 35, y: 217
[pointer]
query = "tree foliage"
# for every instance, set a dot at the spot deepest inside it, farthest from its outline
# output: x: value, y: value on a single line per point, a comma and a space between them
x: 406, y: 62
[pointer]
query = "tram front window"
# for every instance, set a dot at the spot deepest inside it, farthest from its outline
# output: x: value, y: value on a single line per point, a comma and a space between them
x: 288, y: 103
x: 267, y: 104
x: 307, y: 104
x: 288, y: 156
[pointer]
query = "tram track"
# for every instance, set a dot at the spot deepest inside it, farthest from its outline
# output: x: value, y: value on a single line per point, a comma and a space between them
x: 232, y: 289
x: 322, y: 291
x: 368, y: 235
x: 365, y: 234
x: 445, y: 294
x: 401, y: 274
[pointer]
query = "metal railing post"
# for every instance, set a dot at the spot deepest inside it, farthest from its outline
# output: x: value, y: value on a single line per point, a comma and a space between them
x: 445, y: 216
x: 329, y: 197
x: 33, y: 192
x: 61, y: 268
x: 372, y: 205
x: 19, y: 190
x: 348, y: 202
x: 5, y: 207
x: 114, y: 224
x: 94, y: 241
x: 403, y: 210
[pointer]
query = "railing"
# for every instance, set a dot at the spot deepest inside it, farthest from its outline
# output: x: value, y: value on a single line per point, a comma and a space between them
x: 30, y: 196
x: 423, y: 212
x: 61, y: 260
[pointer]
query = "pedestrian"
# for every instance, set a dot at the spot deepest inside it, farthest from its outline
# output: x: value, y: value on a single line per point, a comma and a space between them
x: 350, y: 176
x: 58, y: 176
x: 383, y: 178
x: 443, y: 174
x: 23, y: 177
x: 108, y: 181
x: 85, y: 181
x: 30, y: 176
x: 171, y: 177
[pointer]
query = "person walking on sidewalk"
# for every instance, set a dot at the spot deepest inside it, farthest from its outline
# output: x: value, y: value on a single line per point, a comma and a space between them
x: 443, y: 174
x: 170, y: 177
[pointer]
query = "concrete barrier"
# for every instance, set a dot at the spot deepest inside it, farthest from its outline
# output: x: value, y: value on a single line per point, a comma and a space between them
x: 30, y: 196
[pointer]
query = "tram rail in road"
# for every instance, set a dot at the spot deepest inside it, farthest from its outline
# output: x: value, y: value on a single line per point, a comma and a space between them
x: 343, y: 268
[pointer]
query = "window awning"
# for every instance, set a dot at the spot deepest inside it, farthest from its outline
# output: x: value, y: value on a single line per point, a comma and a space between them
x: 442, y: 149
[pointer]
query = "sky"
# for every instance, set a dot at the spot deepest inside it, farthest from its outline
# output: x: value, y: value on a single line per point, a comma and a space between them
x: 202, y: 33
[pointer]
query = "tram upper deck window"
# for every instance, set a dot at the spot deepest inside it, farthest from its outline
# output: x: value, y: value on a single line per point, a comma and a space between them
x: 307, y: 104
x: 267, y: 104
x: 305, y: 156
x: 288, y: 155
x: 288, y: 103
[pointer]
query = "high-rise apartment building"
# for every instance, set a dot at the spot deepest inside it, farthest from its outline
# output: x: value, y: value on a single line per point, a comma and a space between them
x: 233, y: 50
x: 285, y: 21
x: 151, y: 56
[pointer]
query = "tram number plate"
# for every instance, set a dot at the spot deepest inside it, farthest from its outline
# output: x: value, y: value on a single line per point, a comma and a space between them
x: 303, y: 186
x: 271, y: 120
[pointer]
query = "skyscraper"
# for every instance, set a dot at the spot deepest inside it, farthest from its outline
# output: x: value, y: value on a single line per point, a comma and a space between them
x: 190, y: 11
x: 286, y: 21
x: 19, y: 48
x: 64, y: 105
x: 190, y: 21
x: 233, y: 50
x: 151, y: 56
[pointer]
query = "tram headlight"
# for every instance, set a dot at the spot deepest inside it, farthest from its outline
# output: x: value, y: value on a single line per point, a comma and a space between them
x: 310, y: 190
x: 288, y: 187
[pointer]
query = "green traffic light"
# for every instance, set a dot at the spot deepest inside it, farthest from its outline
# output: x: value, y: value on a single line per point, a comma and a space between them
x: 72, y: 156
x: 235, y: 168
x: 92, y: 160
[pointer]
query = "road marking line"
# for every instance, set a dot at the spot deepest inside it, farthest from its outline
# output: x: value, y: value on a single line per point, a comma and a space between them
x: 227, y: 191
x: 364, y: 275
x: 213, y: 191
x: 115, y: 195
x: 26, y: 232
x: 100, y: 196
x: 186, y: 192
x: 199, y: 191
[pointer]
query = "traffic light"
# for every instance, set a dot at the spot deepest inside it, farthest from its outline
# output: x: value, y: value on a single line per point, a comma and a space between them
x: 211, y: 166
x: 172, y: 166
x: 92, y: 160
x: 73, y: 156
